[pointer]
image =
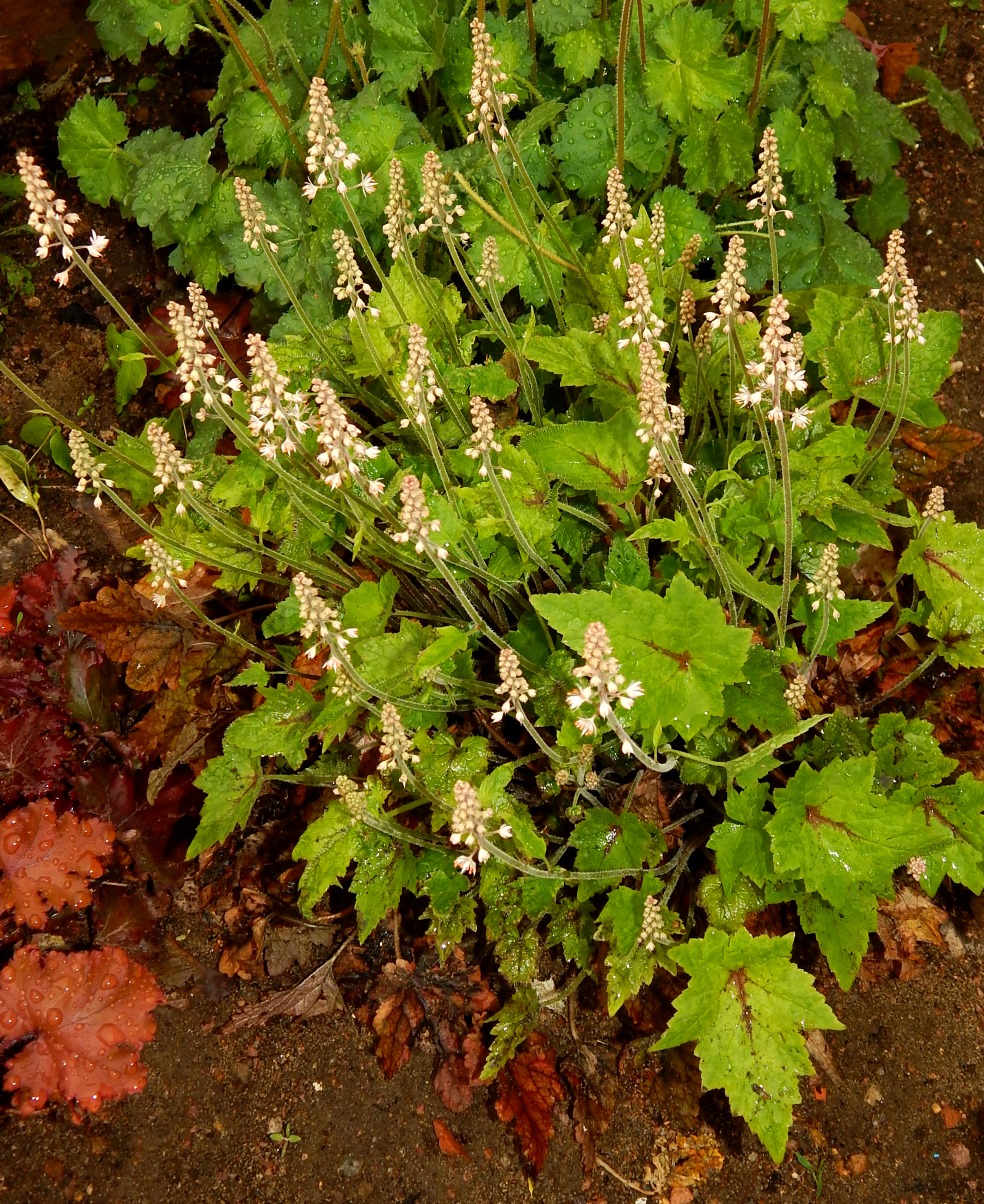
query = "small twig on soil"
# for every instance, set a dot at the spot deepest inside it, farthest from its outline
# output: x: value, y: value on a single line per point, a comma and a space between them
x: 625, y: 1182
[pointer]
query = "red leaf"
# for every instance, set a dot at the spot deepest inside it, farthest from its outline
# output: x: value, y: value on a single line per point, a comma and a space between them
x: 35, y: 754
x: 8, y: 596
x: 529, y: 1087
x: 398, y: 1017
x: 447, y: 1143
x: 89, y: 1015
x: 46, y: 859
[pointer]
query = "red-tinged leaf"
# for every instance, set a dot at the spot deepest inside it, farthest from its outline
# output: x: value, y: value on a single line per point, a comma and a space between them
x: 157, y: 648
x: 47, y: 860
x: 447, y: 1143
x: 943, y: 445
x: 529, y: 1087
x: 460, y: 1073
x: 52, y: 587
x: 8, y: 596
x: 35, y: 754
x: 399, y: 1015
x: 89, y: 1015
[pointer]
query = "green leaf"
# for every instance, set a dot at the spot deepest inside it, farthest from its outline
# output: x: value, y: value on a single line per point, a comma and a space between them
x: 128, y: 361
x: 884, y: 209
x: 14, y: 476
x: 832, y: 831
x: 951, y: 105
x: 854, y: 614
x: 679, y: 646
x: 89, y: 145
x: 741, y: 843
x: 452, y: 908
x: 232, y: 784
x: 443, y: 648
x: 584, y: 142
x: 956, y: 815
x: 697, y: 74
x: 579, y: 53
x: 748, y: 1008
x: 947, y: 562
x: 253, y: 132
x: 511, y: 1025
x: 842, y: 932
x: 606, y: 841
x: 625, y: 565
x: 175, y: 176
x: 806, y: 151
x: 600, y: 457
x: 127, y: 27
x: 281, y: 725
x: 369, y: 606
x: 407, y: 42
x: 906, y: 752
x: 328, y: 845
x: 630, y: 966
x: 759, y: 700
x: 385, y: 869
x: 554, y: 18
x: 41, y: 432
x: 811, y: 20
x: 717, y: 153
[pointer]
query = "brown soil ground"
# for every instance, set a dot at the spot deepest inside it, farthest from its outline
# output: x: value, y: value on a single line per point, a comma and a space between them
x: 897, y: 1115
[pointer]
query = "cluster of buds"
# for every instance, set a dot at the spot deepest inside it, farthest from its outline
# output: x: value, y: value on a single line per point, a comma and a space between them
x: 419, y: 386
x: 416, y: 519
x: 644, y: 325
x: 352, y: 797
x: 50, y: 220
x: 483, y: 440
x: 399, y: 226
x: 395, y: 749
x: 657, y: 231
x: 438, y: 203
x: 85, y: 467
x: 768, y: 196
x: 617, y: 221
x: 490, y: 271
x: 825, y: 586
x: 653, y: 930
x: 277, y: 419
x: 320, y: 622
x: 916, y: 867
x: 170, y: 467
x: 935, y: 504
x: 779, y: 371
x: 795, y: 692
x: 195, y: 366
x: 468, y: 827
x: 488, y: 103
x: 342, y: 450
x: 604, y: 684
x: 165, y: 571
x: 662, y: 424
x: 256, y: 227
x: 514, y: 685
x: 351, y: 286
x: 897, y: 285
x: 327, y: 154
x: 731, y: 294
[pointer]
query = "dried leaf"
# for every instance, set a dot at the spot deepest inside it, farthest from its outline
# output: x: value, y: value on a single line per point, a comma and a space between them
x: 157, y: 648
x: 398, y: 1017
x: 682, y: 1160
x: 529, y: 1087
x: 46, y: 861
x: 8, y: 596
x: 447, y: 1143
x: 286, y: 947
x: 895, y: 59
x: 316, y: 995
x: 914, y: 920
x: 89, y: 1015
x: 593, y: 1091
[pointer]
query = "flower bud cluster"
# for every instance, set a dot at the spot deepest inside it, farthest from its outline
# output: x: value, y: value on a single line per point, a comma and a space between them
x: 731, y: 294
x: 321, y: 623
x: 825, y: 586
x: 604, y: 684
x: 468, y: 827
x: 795, y: 692
x: 438, y: 203
x: 256, y: 228
x: 85, y: 467
x: 657, y: 231
x: 277, y: 418
x: 419, y: 386
x: 653, y: 931
x: 399, y: 226
x: 644, y: 324
x: 617, y: 221
x: 50, y: 220
x: 661, y: 423
x: 897, y: 285
x: 416, y: 519
x: 342, y: 450
x: 170, y: 467
x: 195, y: 367
x: 490, y: 271
x: 488, y: 103
x: 352, y: 797
x: 165, y: 570
x: 514, y: 685
x: 327, y: 154
x: 483, y: 440
x: 935, y: 503
x: 768, y: 196
x: 351, y: 285
x: 395, y: 749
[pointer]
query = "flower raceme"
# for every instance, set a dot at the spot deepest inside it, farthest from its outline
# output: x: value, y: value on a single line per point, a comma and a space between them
x: 50, y: 220
x: 604, y: 684
x: 468, y: 827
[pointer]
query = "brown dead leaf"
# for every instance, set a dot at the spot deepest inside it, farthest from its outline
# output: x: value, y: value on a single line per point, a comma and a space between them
x: 852, y: 21
x: 915, y: 919
x: 952, y: 1116
x: 398, y: 1017
x: 593, y: 1091
x: 861, y: 656
x: 287, y: 947
x: 528, y: 1090
x: 447, y: 1143
x: 245, y: 961
x: 820, y: 1054
x: 157, y: 648
x: 895, y: 59
x: 316, y: 995
x: 943, y: 444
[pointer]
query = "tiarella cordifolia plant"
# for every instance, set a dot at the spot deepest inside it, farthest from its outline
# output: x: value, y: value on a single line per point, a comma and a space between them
x: 542, y: 556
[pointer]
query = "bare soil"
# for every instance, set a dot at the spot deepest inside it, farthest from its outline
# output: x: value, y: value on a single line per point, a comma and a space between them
x: 895, y: 1115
